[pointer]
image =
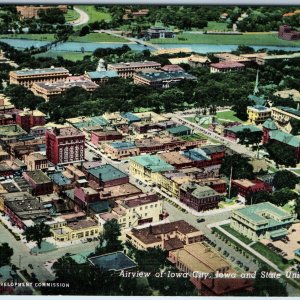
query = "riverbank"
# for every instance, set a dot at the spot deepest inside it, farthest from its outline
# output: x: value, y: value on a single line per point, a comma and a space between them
x: 47, y: 37
x: 267, y: 39
x: 69, y: 55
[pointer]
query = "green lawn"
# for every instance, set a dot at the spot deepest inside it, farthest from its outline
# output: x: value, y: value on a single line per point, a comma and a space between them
x: 269, y: 254
x: 97, y: 38
x: 216, y: 26
x: 296, y: 171
x: 241, y: 237
x: 193, y: 137
x: 71, y: 15
x: 268, y: 39
x: 73, y: 56
x: 94, y: 14
x: 228, y: 116
x: 41, y: 37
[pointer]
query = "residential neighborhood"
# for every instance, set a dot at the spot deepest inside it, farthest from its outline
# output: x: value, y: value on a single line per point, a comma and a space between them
x: 129, y: 168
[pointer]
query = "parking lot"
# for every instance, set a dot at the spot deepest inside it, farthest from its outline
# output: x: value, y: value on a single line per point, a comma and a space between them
x: 286, y: 247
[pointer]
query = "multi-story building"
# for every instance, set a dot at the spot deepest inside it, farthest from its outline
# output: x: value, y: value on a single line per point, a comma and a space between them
x: 129, y: 69
x: 40, y: 183
x: 248, y: 187
x: 36, y: 161
x: 101, y: 77
x: 73, y: 231
x: 30, y: 118
x: 98, y: 136
x: 146, y: 167
x: 84, y: 195
x: 107, y: 175
x: 159, y: 79
x: 134, y: 211
x: 31, y: 11
x: 199, y: 198
x: 226, y: 66
x: 120, y: 150
x: 65, y: 145
x: 159, y: 33
x: 11, y: 133
x: 258, y: 114
x: 283, y: 116
x: 232, y: 132
x: 196, y: 61
x: 48, y: 90
x: 285, y: 32
x: 262, y: 221
x: 23, y: 209
x: 167, y: 236
x: 27, y: 77
x: 199, y: 258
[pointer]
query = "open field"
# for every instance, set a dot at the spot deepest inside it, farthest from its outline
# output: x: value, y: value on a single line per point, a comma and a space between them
x: 228, y: 116
x: 94, y: 14
x: 267, y: 39
x: 216, y: 26
x: 97, y: 38
x: 69, y: 55
x: 71, y: 15
x: 30, y: 36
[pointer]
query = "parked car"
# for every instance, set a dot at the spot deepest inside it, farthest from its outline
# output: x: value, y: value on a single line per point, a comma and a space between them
x: 200, y: 220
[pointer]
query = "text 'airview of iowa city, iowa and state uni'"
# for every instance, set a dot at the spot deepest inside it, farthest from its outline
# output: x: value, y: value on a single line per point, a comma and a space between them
x: 149, y: 150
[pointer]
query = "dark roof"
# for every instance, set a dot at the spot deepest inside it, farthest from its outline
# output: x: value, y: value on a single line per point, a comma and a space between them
x: 116, y: 261
x: 99, y: 207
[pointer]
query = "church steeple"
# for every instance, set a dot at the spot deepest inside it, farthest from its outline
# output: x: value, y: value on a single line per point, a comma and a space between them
x: 256, y: 90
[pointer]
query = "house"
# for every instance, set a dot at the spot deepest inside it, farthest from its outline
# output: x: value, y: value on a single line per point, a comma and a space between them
x: 167, y: 236
x: 199, y: 198
x: 262, y: 221
x: 285, y: 32
x: 159, y: 33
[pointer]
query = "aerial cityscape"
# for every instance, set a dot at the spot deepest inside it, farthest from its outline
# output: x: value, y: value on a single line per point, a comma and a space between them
x: 149, y: 150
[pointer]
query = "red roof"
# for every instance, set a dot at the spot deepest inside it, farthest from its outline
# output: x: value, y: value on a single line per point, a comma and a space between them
x: 227, y: 65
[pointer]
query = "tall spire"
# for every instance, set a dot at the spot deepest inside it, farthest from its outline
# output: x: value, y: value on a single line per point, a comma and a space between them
x: 256, y: 90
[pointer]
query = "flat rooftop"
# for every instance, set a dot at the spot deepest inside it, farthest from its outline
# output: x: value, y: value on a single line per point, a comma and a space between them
x: 38, y: 176
x: 116, y: 261
x: 31, y: 72
x: 152, y: 162
x: 106, y: 173
x: 81, y: 224
x: 174, y: 158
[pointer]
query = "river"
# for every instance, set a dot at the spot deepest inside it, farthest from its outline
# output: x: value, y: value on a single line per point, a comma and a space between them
x: 90, y: 47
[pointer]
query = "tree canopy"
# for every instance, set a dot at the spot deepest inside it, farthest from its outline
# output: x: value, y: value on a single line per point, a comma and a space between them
x: 6, y: 253
x: 285, y: 179
x: 37, y: 233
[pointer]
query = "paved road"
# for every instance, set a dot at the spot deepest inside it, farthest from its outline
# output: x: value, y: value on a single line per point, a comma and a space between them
x: 83, y: 18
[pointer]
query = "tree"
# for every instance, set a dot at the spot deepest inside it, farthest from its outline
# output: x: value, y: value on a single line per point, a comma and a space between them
x: 241, y: 168
x: 84, y: 31
x: 285, y: 179
x: 6, y: 253
x: 258, y: 197
x: 110, y: 239
x: 52, y: 16
x: 283, y: 196
x: 37, y: 233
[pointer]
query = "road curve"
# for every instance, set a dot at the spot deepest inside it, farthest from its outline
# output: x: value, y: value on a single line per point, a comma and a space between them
x: 83, y: 18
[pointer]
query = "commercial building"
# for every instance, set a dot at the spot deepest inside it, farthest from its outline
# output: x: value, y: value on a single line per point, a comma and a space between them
x: 134, y: 211
x: 107, y: 175
x: 65, y: 145
x: 27, y: 77
x: 199, y: 258
x: 11, y: 133
x: 48, y: 90
x: 23, y: 209
x: 84, y: 195
x: 248, y: 187
x: 82, y: 229
x: 146, y: 167
x: 286, y: 32
x: 120, y: 150
x: 226, y: 66
x: 30, y: 118
x: 262, y: 221
x: 167, y: 236
x: 36, y: 161
x: 99, y: 136
x: 199, y: 198
x: 60, y: 182
x: 159, y: 79
x: 258, y: 114
x: 129, y: 69
x: 40, y: 183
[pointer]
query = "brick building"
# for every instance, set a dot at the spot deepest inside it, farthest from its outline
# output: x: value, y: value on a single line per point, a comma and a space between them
x: 36, y: 161
x: 30, y: 118
x: 285, y: 32
x: 247, y: 187
x: 65, y: 145
x: 41, y: 184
